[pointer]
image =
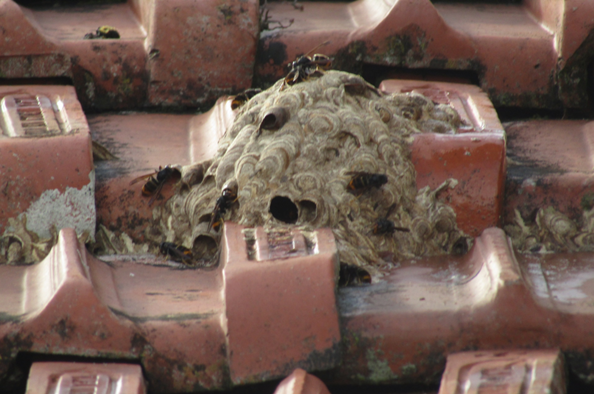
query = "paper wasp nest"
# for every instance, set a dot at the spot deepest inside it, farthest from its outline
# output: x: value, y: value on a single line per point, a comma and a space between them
x: 292, y: 151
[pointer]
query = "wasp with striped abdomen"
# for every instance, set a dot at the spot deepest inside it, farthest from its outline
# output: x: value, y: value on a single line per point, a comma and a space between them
x: 306, y: 66
x: 156, y: 181
x: 384, y: 226
x: 224, y: 202
x: 177, y: 253
x: 244, y: 97
x: 352, y: 275
x: 364, y: 181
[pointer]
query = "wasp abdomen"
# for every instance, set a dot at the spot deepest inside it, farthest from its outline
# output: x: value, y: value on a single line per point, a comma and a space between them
x: 362, y: 181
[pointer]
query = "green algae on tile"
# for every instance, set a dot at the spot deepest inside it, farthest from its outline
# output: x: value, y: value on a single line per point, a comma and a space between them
x: 379, y: 369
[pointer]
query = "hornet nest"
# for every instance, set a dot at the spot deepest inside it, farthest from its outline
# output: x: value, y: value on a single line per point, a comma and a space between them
x: 551, y: 231
x: 291, y: 155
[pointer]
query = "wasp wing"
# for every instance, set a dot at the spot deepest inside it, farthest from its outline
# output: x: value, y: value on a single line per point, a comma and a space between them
x: 156, y: 193
x: 142, y: 177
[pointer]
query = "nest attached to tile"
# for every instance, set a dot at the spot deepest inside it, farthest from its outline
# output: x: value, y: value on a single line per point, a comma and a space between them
x: 552, y: 231
x: 292, y: 152
x: 19, y: 245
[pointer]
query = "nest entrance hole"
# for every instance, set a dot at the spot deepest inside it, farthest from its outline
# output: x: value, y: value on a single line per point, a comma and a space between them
x: 308, y: 210
x: 205, y: 247
x: 283, y: 209
x: 275, y: 118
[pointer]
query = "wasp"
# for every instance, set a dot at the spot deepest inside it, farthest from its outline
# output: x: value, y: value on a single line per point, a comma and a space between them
x: 155, y: 183
x: 103, y: 32
x: 177, y: 253
x: 384, y: 226
x: 216, y: 219
x: 244, y: 97
x: 224, y: 202
x: 352, y: 275
x: 363, y: 181
x: 305, y: 66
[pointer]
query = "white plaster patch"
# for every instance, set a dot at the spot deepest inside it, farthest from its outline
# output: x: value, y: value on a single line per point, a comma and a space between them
x: 72, y: 209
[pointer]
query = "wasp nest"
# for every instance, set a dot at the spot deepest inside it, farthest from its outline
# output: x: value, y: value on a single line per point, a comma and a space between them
x: 19, y: 245
x: 552, y: 231
x: 292, y: 154
x: 23, y: 246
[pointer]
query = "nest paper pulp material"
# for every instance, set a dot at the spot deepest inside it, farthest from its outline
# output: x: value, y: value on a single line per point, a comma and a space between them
x: 316, y: 133
x: 552, y: 231
x: 21, y: 246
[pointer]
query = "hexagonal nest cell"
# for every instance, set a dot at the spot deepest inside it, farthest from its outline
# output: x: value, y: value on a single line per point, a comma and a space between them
x: 331, y: 151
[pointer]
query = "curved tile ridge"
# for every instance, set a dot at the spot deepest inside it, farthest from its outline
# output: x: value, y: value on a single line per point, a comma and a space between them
x: 71, y: 303
x: 62, y: 309
x: 369, y: 12
x: 25, y: 35
x: 301, y: 382
x: 499, y: 259
x: 498, y: 269
x: 440, y: 284
x: 206, y: 130
x: 411, y: 18
x: 513, y: 371
x: 281, y: 311
x: 76, y: 377
x: 42, y: 281
x: 400, y: 330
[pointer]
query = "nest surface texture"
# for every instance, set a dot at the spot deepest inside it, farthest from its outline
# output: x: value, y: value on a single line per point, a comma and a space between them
x: 552, y: 231
x: 292, y: 152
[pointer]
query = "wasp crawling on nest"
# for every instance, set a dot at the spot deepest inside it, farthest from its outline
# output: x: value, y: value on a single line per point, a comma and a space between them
x: 352, y: 275
x: 224, y: 203
x: 306, y: 66
x: 155, y: 182
x: 384, y: 226
x: 177, y: 253
x: 362, y: 181
x: 244, y: 97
